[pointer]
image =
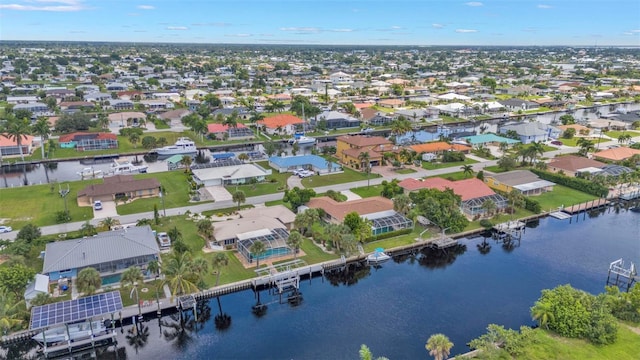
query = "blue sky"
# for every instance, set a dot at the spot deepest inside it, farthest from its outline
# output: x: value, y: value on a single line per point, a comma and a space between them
x: 361, y: 22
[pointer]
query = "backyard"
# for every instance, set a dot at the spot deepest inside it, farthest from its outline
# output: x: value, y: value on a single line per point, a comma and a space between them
x: 276, y: 182
x: 176, y: 193
x: 349, y: 175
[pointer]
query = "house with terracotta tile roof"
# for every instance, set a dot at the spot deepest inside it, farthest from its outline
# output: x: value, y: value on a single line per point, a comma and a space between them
x: 223, y: 131
x: 280, y: 124
x: 439, y: 147
x: 617, y: 154
x: 349, y: 148
x: 9, y: 146
x: 473, y: 192
x: 377, y: 209
x: 391, y: 103
x: 82, y: 141
x: 571, y: 165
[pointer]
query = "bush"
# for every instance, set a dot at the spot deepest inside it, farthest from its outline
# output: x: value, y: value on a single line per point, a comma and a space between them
x: 583, y: 185
x: 532, y: 205
x: 452, y: 156
x: 486, y: 224
x: 62, y: 217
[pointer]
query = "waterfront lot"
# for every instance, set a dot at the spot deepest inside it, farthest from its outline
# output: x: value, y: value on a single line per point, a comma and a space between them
x: 349, y: 175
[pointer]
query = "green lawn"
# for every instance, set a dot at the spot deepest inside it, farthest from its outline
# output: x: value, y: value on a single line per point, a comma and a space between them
x: 349, y: 175
x: 615, y: 134
x: 176, y: 193
x: 562, y: 195
x: 395, y: 241
x: 268, y: 187
x: 365, y: 192
x: 38, y: 204
x: 440, y: 165
x: 547, y: 345
x: 454, y: 176
x: 500, y: 218
x: 405, y: 171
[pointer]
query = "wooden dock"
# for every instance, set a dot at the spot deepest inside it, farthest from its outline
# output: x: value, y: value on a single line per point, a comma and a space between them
x: 560, y: 215
x: 594, y: 204
x: 445, y: 242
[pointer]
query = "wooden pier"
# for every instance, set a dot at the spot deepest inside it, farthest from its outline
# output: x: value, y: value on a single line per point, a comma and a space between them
x: 594, y: 204
x: 444, y: 242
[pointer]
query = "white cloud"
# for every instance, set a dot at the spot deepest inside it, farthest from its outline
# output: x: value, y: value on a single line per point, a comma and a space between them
x: 396, y: 27
x: 301, y: 29
x: 57, y: 6
x: 464, y: 31
x: 635, y: 31
x: 474, y: 3
x: 437, y: 26
x: 342, y: 30
x: 146, y: 7
x: 177, y: 28
x: 543, y: 6
x: 238, y: 35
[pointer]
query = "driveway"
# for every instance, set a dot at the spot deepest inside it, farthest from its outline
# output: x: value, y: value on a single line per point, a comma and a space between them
x: 350, y: 195
x: 219, y: 193
x: 108, y: 210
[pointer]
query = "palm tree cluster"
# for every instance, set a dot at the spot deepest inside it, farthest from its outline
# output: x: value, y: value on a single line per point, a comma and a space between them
x: 184, y: 274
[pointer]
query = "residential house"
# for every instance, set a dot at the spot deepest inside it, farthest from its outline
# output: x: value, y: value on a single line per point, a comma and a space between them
x: 9, y: 146
x: 571, y: 165
x: 473, y: 192
x: 349, y: 148
x: 377, y: 209
x: 125, y: 118
x: 82, y: 141
x: 515, y: 104
x: 317, y: 164
x: 523, y: 181
x: 157, y: 105
x: 532, y: 131
x: 119, y: 187
x: 235, y: 173
x: 263, y: 226
x: 22, y: 99
x: 241, y: 111
x: 616, y: 154
x: 580, y: 129
x: 280, y: 124
x: 335, y: 120
x: 76, y: 105
x: 174, y: 117
x: 391, y: 103
x: 488, y: 139
x: 97, y: 97
x: 120, y: 105
x: 226, y: 132
x: 116, y: 87
x: 438, y: 147
x: 36, y: 108
x: 111, y: 253
x: 340, y: 78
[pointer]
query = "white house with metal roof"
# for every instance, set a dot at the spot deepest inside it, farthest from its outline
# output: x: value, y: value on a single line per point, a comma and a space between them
x: 109, y: 252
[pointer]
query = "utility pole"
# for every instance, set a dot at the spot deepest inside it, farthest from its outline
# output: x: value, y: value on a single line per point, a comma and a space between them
x: 63, y: 193
x: 164, y: 210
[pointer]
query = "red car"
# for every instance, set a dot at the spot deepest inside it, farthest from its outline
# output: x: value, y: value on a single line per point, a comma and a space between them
x: 556, y: 142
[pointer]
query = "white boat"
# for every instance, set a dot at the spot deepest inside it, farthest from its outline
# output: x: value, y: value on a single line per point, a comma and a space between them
x: 126, y: 167
x: 90, y: 173
x: 303, y: 140
x: 184, y: 145
x: 77, y: 331
x: 378, y: 257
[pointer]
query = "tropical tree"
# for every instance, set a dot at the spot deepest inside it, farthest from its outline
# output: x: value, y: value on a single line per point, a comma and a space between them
x: 585, y: 146
x: 401, y: 126
x: 305, y: 220
x: 187, y: 161
x: 365, y: 354
x: 179, y: 273
x: 542, y: 311
x: 87, y: 229
x: 42, y: 129
x: 256, y: 250
x: 467, y: 170
x: 507, y: 163
x: 239, y: 197
x: 294, y: 241
x: 134, y: 138
x: 489, y: 206
x: 243, y: 157
x: 219, y: 261
x: 41, y: 298
x: 200, y: 268
x: 402, y: 204
x: 131, y: 277
x: 153, y: 267
x: 108, y: 223
x: 11, y: 311
x: 365, y: 164
x: 17, y: 129
x: 439, y: 346
x: 205, y: 228
x: 88, y: 281
x: 537, y: 149
x: 103, y: 121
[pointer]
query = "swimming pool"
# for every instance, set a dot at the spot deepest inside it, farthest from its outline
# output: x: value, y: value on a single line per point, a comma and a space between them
x: 111, y: 279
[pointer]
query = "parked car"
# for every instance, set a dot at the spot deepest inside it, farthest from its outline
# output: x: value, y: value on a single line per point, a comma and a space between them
x: 556, y: 142
x: 97, y: 205
x: 164, y: 240
x: 297, y: 171
x: 306, y: 173
x: 5, y: 229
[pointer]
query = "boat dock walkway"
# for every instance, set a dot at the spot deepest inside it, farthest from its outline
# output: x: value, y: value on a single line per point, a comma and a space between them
x: 593, y: 204
x: 561, y: 215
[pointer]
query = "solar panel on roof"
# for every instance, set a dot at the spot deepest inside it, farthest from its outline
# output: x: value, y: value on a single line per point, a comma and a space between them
x: 75, y: 310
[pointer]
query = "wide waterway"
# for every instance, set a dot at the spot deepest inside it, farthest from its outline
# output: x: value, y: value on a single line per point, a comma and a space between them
x: 395, y: 308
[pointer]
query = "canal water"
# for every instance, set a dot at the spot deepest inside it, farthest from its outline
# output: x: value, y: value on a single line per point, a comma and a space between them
x: 395, y: 308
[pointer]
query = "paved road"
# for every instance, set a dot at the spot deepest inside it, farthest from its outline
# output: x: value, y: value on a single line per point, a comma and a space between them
x: 128, y: 219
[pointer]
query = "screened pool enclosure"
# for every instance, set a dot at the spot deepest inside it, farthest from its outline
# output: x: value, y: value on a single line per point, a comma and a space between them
x: 275, y: 242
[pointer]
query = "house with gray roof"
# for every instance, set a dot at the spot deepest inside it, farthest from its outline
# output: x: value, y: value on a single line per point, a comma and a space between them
x: 336, y: 120
x: 110, y: 253
x: 515, y: 104
x: 532, y: 131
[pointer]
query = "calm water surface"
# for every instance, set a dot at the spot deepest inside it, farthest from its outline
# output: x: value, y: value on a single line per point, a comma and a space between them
x: 395, y: 308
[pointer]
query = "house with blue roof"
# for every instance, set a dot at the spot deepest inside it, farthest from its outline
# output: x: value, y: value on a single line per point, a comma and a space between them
x: 316, y: 163
x: 488, y: 139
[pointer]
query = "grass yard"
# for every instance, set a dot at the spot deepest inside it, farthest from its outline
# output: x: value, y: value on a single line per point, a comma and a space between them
x: 38, y: 204
x: 365, y: 192
x: 314, y: 254
x: 395, y: 241
x: 176, y: 193
x: 438, y: 165
x: 349, y: 175
x: 500, y: 218
x: 562, y: 195
x: 405, y: 171
x: 268, y: 187
x: 455, y: 176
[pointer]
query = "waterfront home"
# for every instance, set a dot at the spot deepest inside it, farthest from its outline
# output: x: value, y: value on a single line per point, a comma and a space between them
x: 36, y: 108
x: 616, y: 154
x: 111, y: 253
x: 280, y: 124
x: 174, y: 117
x: 377, y: 209
x: 473, y: 192
x: 532, y: 131
x: 123, y: 119
x: 438, y: 147
x: 580, y: 130
x: 571, y: 165
x: 82, y: 141
x: 226, y: 132
x: 278, y: 212
x: 515, y: 104
x: 523, y: 181
x: 335, y: 120
x: 236, y: 173
x: 118, y: 187
x: 349, y: 148
x: 488, y: 139
x: 9, y: 146
x: 243, y: 232
x: 317, y: 164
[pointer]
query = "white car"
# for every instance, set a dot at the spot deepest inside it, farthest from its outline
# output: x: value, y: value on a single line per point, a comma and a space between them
x: 306, y: 173
x: 5, y: 229
x: 297, y: 172
x: 97, y: 205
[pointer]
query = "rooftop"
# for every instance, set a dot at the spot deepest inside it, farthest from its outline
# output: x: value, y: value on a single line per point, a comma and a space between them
x: 338, y: 210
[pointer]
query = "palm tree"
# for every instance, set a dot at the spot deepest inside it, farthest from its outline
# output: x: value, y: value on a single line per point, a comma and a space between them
x: 365, y: 164
x: 543, y: 312
x: 87, y: 229
x: 187, y: 161
x: 205, y: 228
x: 402, y: 204
x: 439, y: 346
x: 585, y: 146
x: 17, y: 130
x: 239, y: 197
x: 108, y: 223
x: 153, y: 267
x: 489, y: 206
x: 42, y: 129
x: 42, y: 298
x: 536, y: 149
x: 219, y: 261
x: 11, y: 311
x: 103, y: 121
x: 179, y: 274
x: 257, y: 249
x: 243, y: 157
x: 306, y: 219
x: 294, y: 242
x: 467, y: 170
x: 132, y: 276
x: 200, y: 268
x: 88, y: 281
